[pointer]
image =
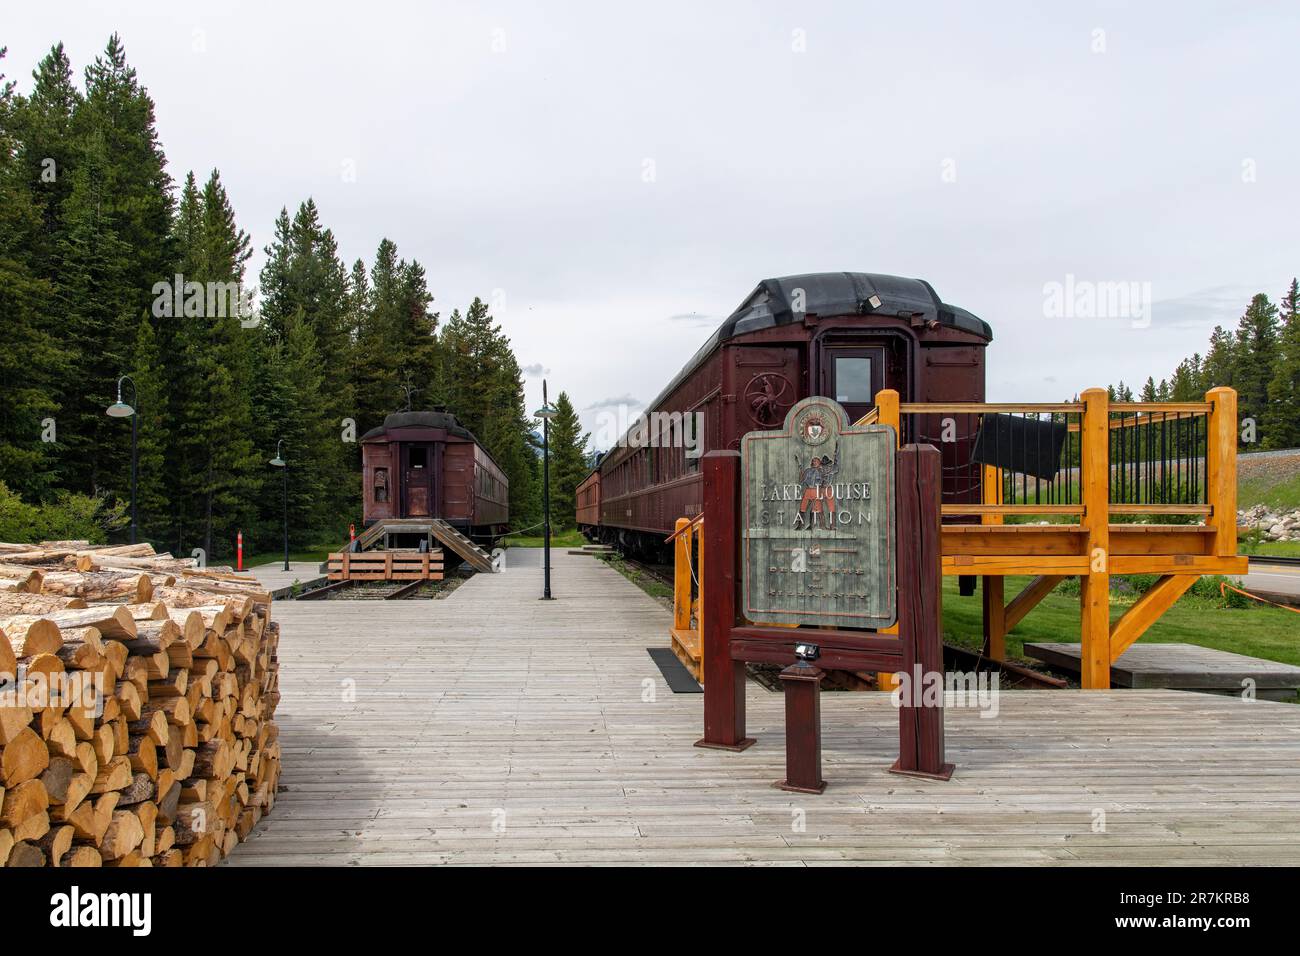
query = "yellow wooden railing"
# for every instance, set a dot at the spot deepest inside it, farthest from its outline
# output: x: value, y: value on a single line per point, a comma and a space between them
x: 1093, y: 548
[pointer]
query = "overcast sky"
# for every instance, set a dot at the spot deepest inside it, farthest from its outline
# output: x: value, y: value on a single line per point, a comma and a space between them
x: 619, y: 176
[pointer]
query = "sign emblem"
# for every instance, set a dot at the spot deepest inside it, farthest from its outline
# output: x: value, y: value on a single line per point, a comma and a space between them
x: 818, y: 510
x: 812, y: 430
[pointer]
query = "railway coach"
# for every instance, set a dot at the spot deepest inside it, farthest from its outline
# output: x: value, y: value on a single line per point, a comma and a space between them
x: 424, y: 466
x: 845, y: 335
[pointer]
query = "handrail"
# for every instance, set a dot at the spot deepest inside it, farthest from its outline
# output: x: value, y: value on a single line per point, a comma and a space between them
x: 1095, y: 418
x: 975, y: 408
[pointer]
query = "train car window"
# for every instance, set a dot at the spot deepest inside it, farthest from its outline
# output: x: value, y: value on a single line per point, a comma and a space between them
x: 853, y: 380
x: 419, y: 457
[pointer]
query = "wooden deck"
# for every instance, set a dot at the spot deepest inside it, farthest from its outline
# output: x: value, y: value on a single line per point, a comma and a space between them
x: 490, y: 727
x: 1182, y: 666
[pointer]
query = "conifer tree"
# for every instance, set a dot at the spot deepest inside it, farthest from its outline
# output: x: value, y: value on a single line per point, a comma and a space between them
x: 31, y: 359
x: 1220, y: 367
x: 1281, y: 425
x: 568, y: 461
x: 152, y: 484
x: 1256, y: 352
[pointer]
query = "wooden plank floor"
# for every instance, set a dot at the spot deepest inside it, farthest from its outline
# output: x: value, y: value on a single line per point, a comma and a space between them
x: 490, y: 727
x: 1181, y: 666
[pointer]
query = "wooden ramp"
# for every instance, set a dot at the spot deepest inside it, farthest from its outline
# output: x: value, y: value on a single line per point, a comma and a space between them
x: 491, y: 727
x: 469, y: 552
x: 1184, y: 667
x: 466, y: 549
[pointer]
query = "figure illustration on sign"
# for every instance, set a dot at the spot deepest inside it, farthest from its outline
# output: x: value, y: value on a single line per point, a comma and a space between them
x: 818, y: 492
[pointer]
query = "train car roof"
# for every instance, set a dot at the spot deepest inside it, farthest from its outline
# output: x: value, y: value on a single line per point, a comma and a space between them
x: 444, y: 420
x: 831, y: 293
x: 846, y: 293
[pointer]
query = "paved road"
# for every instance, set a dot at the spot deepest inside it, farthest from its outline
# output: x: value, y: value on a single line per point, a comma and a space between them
x: 1277, y: 579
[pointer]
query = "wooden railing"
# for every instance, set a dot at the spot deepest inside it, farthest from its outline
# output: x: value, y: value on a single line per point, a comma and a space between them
x: 1092, y: 482
x: 1175, y: 461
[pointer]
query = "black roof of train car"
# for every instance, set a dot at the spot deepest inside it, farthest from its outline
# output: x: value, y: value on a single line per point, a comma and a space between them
x: 830, y: 293
x: 444, y: 420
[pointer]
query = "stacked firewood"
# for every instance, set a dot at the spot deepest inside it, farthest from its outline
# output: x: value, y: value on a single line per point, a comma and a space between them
x: 137, y: 694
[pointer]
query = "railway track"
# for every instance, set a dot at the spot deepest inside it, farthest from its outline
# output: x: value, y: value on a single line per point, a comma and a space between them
x: 373, y: 591
x: 663, y: 573
x: 1276, y: 560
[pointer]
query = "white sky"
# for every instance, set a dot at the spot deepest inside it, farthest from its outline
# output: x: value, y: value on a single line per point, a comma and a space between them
x: 518, y: 172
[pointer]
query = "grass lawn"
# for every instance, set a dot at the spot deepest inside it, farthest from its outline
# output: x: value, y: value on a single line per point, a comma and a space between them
x: 1257, y: 631
x: 559, y: 539
x: 1274, y: 482
x: 1283, y: 549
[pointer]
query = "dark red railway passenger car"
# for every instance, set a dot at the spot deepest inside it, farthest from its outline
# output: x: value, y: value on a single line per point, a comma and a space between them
x: 589, y: 503
x: 425, y: 465
x: 841, y: 334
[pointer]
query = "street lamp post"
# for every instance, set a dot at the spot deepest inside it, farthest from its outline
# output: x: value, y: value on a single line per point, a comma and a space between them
x: 279, y: 462
x: 120, y: 409
x: 546, y: 413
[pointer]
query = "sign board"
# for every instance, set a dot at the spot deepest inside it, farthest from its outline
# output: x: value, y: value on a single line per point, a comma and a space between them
x: 818, y: 539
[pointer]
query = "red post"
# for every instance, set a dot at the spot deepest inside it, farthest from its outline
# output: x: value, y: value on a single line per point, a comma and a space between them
x: 724, y: 683
x: 239, y: 551
x: 920, y: 720
x: 803, y: 728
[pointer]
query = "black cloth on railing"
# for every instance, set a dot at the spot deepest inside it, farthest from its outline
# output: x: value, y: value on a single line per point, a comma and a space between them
x: 1026, y: 446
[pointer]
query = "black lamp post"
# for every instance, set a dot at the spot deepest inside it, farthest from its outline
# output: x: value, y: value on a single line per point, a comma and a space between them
x: 279, y: 462
x: 120, y: 409
x: 546, y: 413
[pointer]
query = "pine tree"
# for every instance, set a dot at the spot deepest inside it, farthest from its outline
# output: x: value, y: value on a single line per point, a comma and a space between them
x: 31, y: 359
x: 483, y: 387
x: 152, y: 484
x: 112, y: 248
x: 1220, y: 367
x: 210, y: 402
x: 1281, y: 425
x: 1256, y: 345
x: 49, y: 151
x: 100, y: 314
x: 568, y: 461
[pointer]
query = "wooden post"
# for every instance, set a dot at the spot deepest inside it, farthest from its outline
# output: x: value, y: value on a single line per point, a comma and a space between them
x: 1221, y: 468
x: 697, y: 535
x: 920, y: 595
x: 1094, y: 495
x: 802, y: 681
x: 681, y: 577
x: 887, y: 413
x: 724, y: 686
x: 993, y: 591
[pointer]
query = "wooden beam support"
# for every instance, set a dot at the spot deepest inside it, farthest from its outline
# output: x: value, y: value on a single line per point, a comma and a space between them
x: 1028, y: 599
x: 724, y: 684
x: 1094, y: 492
x: 1221, y: 468
x: 1158, y: 599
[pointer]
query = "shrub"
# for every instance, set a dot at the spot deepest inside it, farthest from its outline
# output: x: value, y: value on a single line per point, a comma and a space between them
x: 69, y: 517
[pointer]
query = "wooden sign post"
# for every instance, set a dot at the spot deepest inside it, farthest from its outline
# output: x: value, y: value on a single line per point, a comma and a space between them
x: 850, y: 540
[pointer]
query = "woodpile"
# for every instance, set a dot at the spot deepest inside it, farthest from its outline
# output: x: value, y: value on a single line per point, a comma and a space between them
x: 137, y: 695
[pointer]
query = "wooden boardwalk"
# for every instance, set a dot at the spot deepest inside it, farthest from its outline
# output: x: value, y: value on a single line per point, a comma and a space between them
x: 490, y: 727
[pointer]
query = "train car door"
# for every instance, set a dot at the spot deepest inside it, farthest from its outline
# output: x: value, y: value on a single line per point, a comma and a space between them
x: 852, y: 375
x: 417, y: 475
